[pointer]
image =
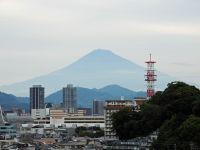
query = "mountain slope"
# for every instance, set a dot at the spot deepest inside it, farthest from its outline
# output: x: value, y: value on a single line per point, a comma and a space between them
x: 117, y: 90
x: 9, y: 101
x: 7, y: 98
x: 86, y: 96
x: 96, y: 69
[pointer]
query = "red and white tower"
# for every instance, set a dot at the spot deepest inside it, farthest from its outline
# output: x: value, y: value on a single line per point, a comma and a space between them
x: 150, y: 77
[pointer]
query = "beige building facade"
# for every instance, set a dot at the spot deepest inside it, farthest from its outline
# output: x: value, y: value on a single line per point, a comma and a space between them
x: 111, y: 107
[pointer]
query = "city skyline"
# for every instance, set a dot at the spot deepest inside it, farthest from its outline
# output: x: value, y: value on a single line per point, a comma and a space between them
x: 56, y: 34
x: 99, y: 74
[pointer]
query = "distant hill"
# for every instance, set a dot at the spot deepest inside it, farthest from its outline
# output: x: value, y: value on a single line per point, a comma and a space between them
x: 7, y: 98
x: 116, y: 90
x: 96, y: 69
x: 9, y: 101
x: 86, y: 96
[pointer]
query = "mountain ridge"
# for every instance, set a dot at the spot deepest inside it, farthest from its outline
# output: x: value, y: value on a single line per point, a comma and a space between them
x: 85, y: 96
x: 9, y: 101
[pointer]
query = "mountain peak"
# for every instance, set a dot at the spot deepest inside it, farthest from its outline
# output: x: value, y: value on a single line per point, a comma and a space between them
x: 103, y: 56
x: 100, y: 60
x: 98, y: 68
x: 101, y: 51
x: 114, y: 88
x: 100, y: 54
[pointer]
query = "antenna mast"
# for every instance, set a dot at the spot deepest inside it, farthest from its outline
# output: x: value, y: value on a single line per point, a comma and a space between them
x: 150, y: 78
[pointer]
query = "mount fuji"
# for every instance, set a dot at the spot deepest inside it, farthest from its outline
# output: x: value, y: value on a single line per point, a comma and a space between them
x: 95, y: 70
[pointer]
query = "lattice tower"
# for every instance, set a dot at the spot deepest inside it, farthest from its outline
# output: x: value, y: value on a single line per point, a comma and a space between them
x: 150, y: 78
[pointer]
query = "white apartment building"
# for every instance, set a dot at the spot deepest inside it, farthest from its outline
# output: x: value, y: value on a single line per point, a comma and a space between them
x: 113, y: 106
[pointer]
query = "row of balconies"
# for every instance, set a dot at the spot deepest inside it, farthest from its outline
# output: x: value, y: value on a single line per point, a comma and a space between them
x: 93, y: 119
x: 84, y: 122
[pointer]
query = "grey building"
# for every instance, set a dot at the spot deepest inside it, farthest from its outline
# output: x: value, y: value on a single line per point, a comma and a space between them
x: 98, y: 107
x: 70, y: 99
x: 37, y: 106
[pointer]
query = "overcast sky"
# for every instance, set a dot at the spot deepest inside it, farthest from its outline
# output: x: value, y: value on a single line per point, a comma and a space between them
x: 41, y: 36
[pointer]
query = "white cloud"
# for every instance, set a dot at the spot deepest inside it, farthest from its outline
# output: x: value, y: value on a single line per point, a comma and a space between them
x: 65, y: 30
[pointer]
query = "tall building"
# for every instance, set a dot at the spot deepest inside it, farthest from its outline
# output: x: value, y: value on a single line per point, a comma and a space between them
x: 37, y: 106
x: 70, y: 99
x: 98, y: 107
x: 111, y: 107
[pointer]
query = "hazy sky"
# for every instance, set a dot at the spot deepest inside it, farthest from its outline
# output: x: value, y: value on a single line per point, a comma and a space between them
x: 41, y: 36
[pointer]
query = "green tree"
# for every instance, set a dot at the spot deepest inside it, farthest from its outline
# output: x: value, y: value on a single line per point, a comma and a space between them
x: 189, y: 130
x: 175, y: 112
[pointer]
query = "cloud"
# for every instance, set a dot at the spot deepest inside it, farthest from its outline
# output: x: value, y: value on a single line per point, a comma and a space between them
x: 183, y: 64
x: 90, y: 18
x: 64, y: 30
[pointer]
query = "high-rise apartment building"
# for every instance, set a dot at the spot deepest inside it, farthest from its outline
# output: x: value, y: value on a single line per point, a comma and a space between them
x: 70, y: 99
x: 37, y: 106
x: 111, y: 107
x: 98, y: 107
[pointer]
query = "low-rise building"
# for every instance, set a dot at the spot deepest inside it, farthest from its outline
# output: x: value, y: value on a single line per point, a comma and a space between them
x: 139, y: 101
x: 87, y: 111
x: 87, y: 121
x: 38, y: 113
x: 7, y: 130
x: 42, y: 121
x: 57, y: 116
x: 60, y: 117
